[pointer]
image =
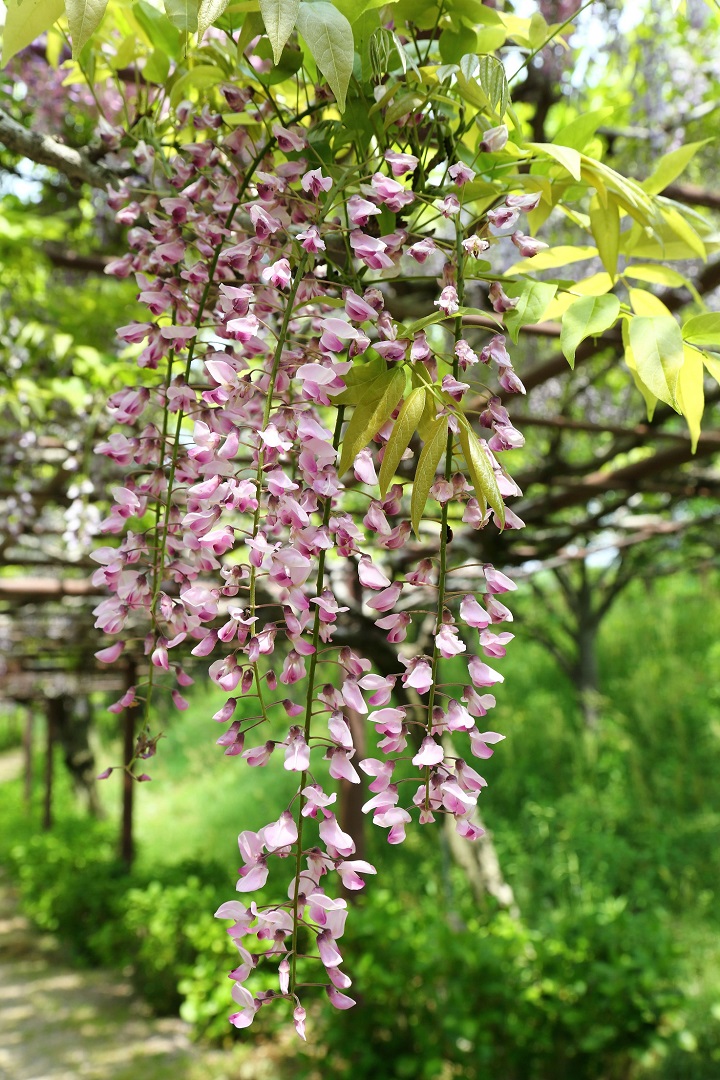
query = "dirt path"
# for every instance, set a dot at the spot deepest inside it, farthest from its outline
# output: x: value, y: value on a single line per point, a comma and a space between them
x: 60, y: 1024
x: 63, y: 1023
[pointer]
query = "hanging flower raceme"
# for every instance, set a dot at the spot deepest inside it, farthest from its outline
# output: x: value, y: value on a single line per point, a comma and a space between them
x: 264, y: 524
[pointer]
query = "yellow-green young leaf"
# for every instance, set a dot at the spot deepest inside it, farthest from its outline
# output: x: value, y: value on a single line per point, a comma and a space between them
x: 403, y: 430
x: 25, y: 20
x: 492, y: 78
x: 657, y: 346
x: 691, y: 392
x: 658, y: 275
x: 646, y: 303
x: 370, y: 414
x: 595, y: 285
x: 650, y: 399
x: 570, y: 159
x: 430, y: 456
x: 586, y: 317
x: 670, y: 166
x: 532, y: 298
x: 712, y: 365
x: 578, y: 133
x: 183, y: 14
x: 481, y: 472
x: 605, y: 225
x: 84, y: 17
x: 329, y: 38
x: 684, y: 231
x: 198, y: 78
x: 552, y: 258
x: 208, y: 12
x: 703, y: 330
x: 279, y: 17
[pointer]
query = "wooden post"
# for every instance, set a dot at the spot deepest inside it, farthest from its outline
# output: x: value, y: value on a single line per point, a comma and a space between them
x: 28, y: 755
x: 127, y: 840
x: 47, y: 819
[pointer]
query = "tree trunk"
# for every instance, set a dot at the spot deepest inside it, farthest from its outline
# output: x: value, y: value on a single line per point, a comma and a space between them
x: 585, y: 673
x: 28, y: 756
x: 129, y: 716
x: 73, y: 722
x: 50, y: 709
x: 478, y: 858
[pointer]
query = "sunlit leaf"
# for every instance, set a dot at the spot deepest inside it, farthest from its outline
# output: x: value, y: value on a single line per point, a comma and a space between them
x: 703, y: 330
x: 279, y: 17
x: 183, y: 14
x: 570, y: 159
x: 532, y: 298
x: 670, y: 166
x: 585, y: 318
x: 657, y: 347
x: 691, y: 392
x: 25, y: 20
x: 605, y: 225
x: 208, y: 12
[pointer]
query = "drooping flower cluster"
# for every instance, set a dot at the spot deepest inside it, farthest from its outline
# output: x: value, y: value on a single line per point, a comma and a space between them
x: 253, y: 529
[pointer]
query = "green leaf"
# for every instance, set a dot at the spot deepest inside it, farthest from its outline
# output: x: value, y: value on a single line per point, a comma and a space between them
x: 403, y: 430
x: 208, y: 12
x: 370, y: 414
x: 84, y: 17
x: 578, y: 133
x: 453, y: 45
x: 570, y: 159
x: 657, y: 347
x: 684, y: 230
x: 533, y: 298
x: 646, y: 303
x: 198, y: 78
x: 158, y: 28
x: 493, y: 81
x: 605, y: 225
x: 658, y: 275
x: 712, y: 365
x: 670, y: 166
x: 183, y: 14
x: 703, y: 330
x: 650, y: 399
x: 430, y: 456
x: 25, y: 20
x: 562, y: 255
x: 586, y: 317
x: 329, y: 38
x: 481, y: 472
x: 691, y: 392
x: 279, y: 17
x: 359, y: 379
x: 157, y: 68
x: 252, y: 27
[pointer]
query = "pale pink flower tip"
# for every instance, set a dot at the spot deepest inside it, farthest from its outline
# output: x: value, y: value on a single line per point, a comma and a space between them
x: 429, y: 754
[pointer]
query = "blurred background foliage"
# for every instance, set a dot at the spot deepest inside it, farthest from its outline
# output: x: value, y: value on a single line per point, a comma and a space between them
x: 608, y: 838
